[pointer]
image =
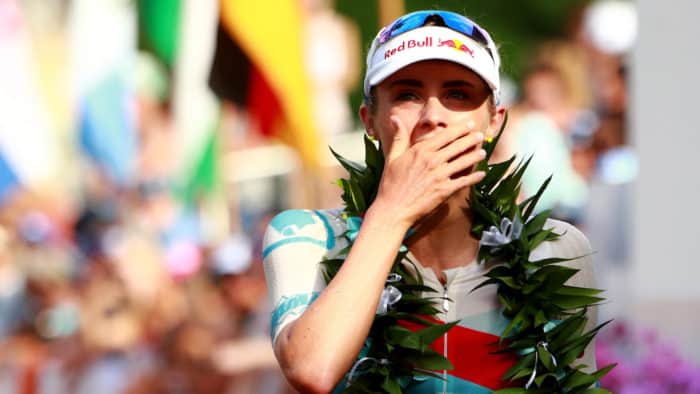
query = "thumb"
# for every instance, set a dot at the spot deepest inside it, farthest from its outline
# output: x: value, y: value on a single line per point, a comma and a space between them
x: 401, y: 141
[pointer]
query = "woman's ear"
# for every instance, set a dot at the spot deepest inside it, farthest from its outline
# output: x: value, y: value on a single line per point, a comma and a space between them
x: 496, y: 122
x: 367, y: 120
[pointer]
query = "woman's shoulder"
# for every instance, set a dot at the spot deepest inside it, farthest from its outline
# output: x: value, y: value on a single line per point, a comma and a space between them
x: 572, y: 243
x: 320, y: 227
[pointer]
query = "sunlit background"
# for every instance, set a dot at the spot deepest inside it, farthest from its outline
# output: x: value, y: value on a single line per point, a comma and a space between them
x: 145, y: 144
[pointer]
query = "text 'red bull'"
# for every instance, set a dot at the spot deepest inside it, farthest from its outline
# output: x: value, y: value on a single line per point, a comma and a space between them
x: 428, y: 42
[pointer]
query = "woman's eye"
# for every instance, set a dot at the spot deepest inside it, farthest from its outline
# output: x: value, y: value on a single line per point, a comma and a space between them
x: 458, y: 95
x: 406, y: 96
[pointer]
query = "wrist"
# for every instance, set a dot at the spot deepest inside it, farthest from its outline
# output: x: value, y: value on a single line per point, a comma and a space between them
x: 389, y: 217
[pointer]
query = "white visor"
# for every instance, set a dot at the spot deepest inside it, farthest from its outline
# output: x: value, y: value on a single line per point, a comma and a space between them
x: 430, y: 43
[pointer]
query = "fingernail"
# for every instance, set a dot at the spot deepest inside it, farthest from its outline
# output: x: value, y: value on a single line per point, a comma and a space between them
x: 482, y: 153
x: 479, y: 136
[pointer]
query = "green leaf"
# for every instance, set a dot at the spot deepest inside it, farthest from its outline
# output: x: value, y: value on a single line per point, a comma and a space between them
x: 530, y: 203
x: 349, y: 165
x: 483, y: 214
x: 577, y: 291
x: 373, y: 155
x: 526, y: 361
x: 522, y: 373
x: 554, y: 276
x: 505, y: 190
x: 412, y: 317
x: 500, y: 271
x: 518, y: 320
x: 428, y: 360
x: 397, y: 335
x: 580, y: 379
x: 574, y: 349
x: 549, y: 261
x: 536, y: 223
x: 484, y: 283
x: 495, y: 173
x: 357, y: 196
x: 391, y: 386
x: 545, y: 358
x: 540, y: 318
x: 432, y: 374
x: 430, y: 334
x: 573, y: 302
x: 490, y: 146
x: 599, y: 374
x: 540, y: 379
x: 544, y: 235
x: 415, y: 288
x: 512, y: 390
x: 597, y: 390
x: 568, y: 328
x: 507, y: 303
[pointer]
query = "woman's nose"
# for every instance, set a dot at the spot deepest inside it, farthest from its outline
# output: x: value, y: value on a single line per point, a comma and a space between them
x: 433, y: 115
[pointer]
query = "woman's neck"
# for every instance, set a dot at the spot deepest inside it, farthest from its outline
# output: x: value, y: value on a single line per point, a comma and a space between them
x: 443, y: 239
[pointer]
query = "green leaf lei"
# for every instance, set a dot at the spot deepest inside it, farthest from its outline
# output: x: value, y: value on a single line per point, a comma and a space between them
x: 547, y: 317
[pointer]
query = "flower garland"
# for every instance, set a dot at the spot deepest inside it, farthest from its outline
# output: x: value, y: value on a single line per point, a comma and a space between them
x: 547, y: 317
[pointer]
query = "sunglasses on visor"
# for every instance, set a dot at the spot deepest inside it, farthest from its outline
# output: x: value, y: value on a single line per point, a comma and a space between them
x: 451, y: 20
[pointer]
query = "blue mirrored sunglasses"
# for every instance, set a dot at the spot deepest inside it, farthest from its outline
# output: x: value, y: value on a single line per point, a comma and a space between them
x: 456, y: 22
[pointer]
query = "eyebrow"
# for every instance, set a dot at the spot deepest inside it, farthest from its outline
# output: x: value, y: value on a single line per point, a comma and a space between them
x: 407, y: 82
x: 457, y: 84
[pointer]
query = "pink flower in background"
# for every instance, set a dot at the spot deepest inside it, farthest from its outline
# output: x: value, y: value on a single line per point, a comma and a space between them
x: 645, y: 363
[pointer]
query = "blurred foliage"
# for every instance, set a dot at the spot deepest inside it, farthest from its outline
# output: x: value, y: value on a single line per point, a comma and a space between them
x: 516, y: 26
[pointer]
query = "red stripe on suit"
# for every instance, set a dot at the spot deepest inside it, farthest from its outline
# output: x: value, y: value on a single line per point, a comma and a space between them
x: 471, y: 353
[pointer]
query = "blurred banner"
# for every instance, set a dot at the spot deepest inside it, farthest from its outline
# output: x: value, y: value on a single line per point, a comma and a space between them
x: 8, y: 179
x: 259, y: 65
x: 103, y: 39
x: 27, y: 137
x: 180, y: 34
x: 196, y: 109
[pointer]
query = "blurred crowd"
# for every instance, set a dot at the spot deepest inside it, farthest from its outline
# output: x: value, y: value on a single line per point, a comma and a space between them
x: 123, y: 292
x: 570, y: 117
x: 114, y: 278
x: 113, y: 287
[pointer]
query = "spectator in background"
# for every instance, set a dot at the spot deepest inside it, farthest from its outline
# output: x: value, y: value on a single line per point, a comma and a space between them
x: 332, y: 77
x: 549, y: 118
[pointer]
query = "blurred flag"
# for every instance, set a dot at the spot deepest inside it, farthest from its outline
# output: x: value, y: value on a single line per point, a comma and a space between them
x: 196, y: 108
x: 8, y: 179
x: 27, y: 139
x: 159, y: 28
x: 103, y: 38
x: 107, y: 128
x: 259, y: 65
x: 180, y: 33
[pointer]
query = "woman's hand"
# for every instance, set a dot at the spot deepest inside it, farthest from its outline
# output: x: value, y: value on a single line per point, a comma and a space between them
x: 418, y: 178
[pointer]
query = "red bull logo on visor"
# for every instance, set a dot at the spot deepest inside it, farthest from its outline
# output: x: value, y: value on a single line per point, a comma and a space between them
x: 428, y: 42
x: 457, y: 45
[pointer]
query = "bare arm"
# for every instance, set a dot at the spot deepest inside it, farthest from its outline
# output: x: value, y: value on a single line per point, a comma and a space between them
x: 318, y: 348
